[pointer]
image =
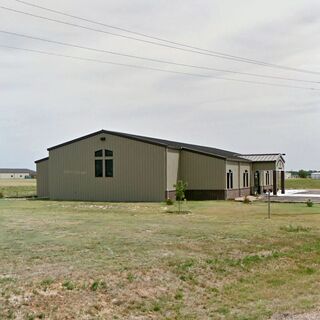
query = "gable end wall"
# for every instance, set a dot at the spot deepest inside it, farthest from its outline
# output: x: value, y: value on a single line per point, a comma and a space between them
x: 139, y: 171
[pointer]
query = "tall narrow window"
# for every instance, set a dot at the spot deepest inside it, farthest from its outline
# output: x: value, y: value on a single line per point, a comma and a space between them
x: 246, y: 179
x: 109, y: 168
x: 98, y: 168
x: 267, y: 178
x: 229, y: 180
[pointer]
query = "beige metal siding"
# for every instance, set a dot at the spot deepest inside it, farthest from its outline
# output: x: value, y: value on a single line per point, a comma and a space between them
x: 263, y: 166
x: 173, y: 157
x: 243, y: 167
x: 139, y: 171
x: 43, y: 179
x: 280, y: 165
x: 202, y: 172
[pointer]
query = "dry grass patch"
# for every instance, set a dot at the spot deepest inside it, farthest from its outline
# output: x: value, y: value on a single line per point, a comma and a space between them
x: 18, y: 187
x: 65, y: 260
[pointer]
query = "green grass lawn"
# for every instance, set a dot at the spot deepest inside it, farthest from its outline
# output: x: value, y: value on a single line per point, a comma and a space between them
x: 18, y: 187
x: 302, y: 184
x: 224, y: 260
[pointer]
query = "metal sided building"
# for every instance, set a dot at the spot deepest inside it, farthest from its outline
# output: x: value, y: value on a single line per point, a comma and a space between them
x: 14, y: 173
x: 113, y: 166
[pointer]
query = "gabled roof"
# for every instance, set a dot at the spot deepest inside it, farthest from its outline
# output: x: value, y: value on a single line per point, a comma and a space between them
x: 165, y: 143
x: 263, y: 157
x: 14, y: 170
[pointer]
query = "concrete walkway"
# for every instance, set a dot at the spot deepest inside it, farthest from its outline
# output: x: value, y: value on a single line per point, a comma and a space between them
x: 297, y: 196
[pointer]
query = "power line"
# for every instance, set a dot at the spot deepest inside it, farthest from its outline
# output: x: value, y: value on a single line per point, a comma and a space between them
x: 150, y: 59
x: 190, y: 48
x: 155, y: 69
x: 184, y: 65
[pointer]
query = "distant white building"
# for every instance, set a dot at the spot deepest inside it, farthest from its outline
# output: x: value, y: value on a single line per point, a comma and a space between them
x: 288, y: 175
x: 9, y: 173
x: 315, y: 175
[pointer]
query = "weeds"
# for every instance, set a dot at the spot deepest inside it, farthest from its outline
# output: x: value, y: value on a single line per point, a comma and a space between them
x: 98, y: 284
x: 306, y: 270
x: 179, y: 295
x: 69, y: 285
x: 130, y: 277
x: 46, y: 282
x: 30, y: 316
x: 291, y: 228
x: 156, y: 307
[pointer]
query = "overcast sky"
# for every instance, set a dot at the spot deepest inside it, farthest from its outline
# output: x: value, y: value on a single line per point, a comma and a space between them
x: 48, y: 100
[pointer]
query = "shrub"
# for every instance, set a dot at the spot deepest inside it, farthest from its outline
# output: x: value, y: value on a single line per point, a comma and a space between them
x: 1, y: 195
x: 309, y: 203
x: 169, y: 202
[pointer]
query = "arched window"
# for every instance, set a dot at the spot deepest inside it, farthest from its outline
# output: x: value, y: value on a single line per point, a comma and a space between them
x: 229, y: 180
x: 103, y: 163
x: 246, y: 179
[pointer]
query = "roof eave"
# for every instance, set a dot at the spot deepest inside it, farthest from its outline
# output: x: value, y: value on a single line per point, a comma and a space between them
x: 204, y: 153
x: 41, y: 160
x: 239, y: 159
x: 119, y: 134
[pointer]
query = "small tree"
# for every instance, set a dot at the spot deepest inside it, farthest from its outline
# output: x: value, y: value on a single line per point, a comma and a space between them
x: 180, y: 190
x: 303, y: 174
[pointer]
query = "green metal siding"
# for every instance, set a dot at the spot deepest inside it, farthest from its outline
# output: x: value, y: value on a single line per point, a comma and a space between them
x: 202, y: 172
x: 43, y: 179
x: 139, y: 171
